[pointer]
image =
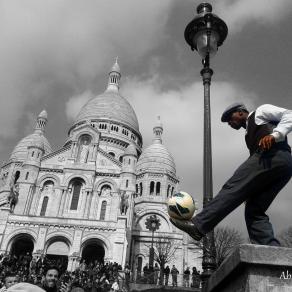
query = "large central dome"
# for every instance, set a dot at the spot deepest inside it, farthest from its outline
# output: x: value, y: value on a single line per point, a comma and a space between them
x: 110, y: 105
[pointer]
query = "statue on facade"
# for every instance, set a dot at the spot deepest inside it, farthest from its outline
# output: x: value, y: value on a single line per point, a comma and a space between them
x: 105, y: 191
x: 124, y: 203
x: 84, y: 149
x: 13, y: 196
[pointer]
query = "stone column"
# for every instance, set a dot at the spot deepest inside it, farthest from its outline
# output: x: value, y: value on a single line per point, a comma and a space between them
x: 73, y: 149
x: 67, y: 200
x: 88, y: 204
x: 93, y: 205
x: 35, y: 201
x: 28, y: 200
x: 62, y: 202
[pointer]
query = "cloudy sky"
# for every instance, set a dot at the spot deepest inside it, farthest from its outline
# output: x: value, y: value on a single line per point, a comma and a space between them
x: 54, y: 54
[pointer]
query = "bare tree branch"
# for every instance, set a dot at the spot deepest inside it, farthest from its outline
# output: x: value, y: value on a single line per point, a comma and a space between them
x: 285, y: 237
x: 226, y: 240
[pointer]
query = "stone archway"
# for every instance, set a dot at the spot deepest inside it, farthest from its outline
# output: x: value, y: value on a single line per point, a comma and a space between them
x: 21, y: 245
x: 93, y: 250
x: 57, y: 253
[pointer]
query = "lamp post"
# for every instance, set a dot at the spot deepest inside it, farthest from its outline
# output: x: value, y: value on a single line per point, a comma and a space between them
x: 152, y: 224
x: 205, y: 33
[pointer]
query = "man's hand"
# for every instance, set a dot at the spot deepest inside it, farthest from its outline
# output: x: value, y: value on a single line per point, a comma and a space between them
x: 65, y: 287
x: 267, y: 142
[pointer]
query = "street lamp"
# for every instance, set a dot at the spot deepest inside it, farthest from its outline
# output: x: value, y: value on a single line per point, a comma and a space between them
x: 152, y: 224
x: 205, y: 33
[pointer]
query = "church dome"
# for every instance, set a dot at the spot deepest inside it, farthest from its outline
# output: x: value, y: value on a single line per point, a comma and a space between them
x: 109, y: 106
x: 156, y: 157
x: 19, y: 153
x: 36, y: 139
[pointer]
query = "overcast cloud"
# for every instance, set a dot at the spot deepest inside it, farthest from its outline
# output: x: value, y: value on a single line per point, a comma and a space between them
x: 56, y: 54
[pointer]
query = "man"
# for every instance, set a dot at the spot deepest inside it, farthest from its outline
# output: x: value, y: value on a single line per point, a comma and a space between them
x: 174, y: 272
x: 186, y: 277
x: 166, y: 273
x: 10, y: 279
x: 51, y: 277
x: 258, y: 180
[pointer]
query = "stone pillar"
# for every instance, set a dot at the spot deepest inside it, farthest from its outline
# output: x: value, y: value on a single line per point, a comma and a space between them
x: 62, y: 203
x: 73, y: 262
x: 35, y: 201
x: 31, y: 191
x: 88, y: 205
x: 4, y: 214
x: 94, y: 152
x: 93, y: 206
x: 40, y: 244
x: 254, y: 268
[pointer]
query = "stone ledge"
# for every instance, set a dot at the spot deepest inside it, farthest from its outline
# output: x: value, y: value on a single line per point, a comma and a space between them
x: 253, y: 268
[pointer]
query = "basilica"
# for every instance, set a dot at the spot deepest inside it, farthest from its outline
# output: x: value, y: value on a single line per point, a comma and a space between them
x: 93, y: 197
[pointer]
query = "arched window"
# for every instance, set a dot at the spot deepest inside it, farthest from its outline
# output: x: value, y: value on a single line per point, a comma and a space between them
x: 168, y: 191
x: 172, y: 190
x: 141, y: 189
x: 112, y: 154
x: 137, y: 189
x: 105, y: 190
x: 129, y: 162
x: 127, y: 183
x: 48, y: 187
x: 26, y: 176
x: 152, y: 188
x: 32, y: 153
x: 121, y: 159
x: 44, y: 206
x: 139, y: 264
x: 16, y: 177
x: 76, y: 190
x: 102, y: 210
x: 158, y: 189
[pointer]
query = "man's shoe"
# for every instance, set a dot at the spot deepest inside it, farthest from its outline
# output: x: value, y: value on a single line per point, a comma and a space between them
x: 188, y: 227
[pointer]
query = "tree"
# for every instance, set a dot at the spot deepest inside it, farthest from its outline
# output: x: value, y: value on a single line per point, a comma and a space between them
x: 226, y: 239
x: 285, y: 237
x: 164, y: 251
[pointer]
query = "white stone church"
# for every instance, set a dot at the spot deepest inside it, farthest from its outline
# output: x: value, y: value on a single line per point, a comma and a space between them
x: 90, y: 198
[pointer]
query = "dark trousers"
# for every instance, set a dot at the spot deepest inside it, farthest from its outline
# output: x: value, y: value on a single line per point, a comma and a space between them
x: 257, y: 182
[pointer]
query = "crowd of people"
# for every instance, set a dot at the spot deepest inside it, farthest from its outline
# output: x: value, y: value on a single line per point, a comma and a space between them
x: 88, y: 277
x: 157, y: 276
x: 94, y: 276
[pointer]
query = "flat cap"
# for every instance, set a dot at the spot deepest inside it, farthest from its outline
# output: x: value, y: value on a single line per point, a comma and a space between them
x: 231, y: 109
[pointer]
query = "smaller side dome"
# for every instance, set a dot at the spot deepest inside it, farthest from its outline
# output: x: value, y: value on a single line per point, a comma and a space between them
x: 38, y: 142
x: 36, y: 139
x: 156, y: 157
x: 19, y: 153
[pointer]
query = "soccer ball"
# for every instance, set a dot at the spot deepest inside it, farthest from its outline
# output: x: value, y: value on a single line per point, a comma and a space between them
x: 181, y: 206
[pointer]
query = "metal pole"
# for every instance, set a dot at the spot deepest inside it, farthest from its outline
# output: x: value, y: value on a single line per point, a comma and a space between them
x: 151, y: 256
x: 209, y: 252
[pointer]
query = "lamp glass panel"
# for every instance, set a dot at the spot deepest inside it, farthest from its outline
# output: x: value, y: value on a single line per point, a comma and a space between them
x: 204, y: 46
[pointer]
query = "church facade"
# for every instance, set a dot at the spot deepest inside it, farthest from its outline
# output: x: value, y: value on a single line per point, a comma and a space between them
x: 91, y: 198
